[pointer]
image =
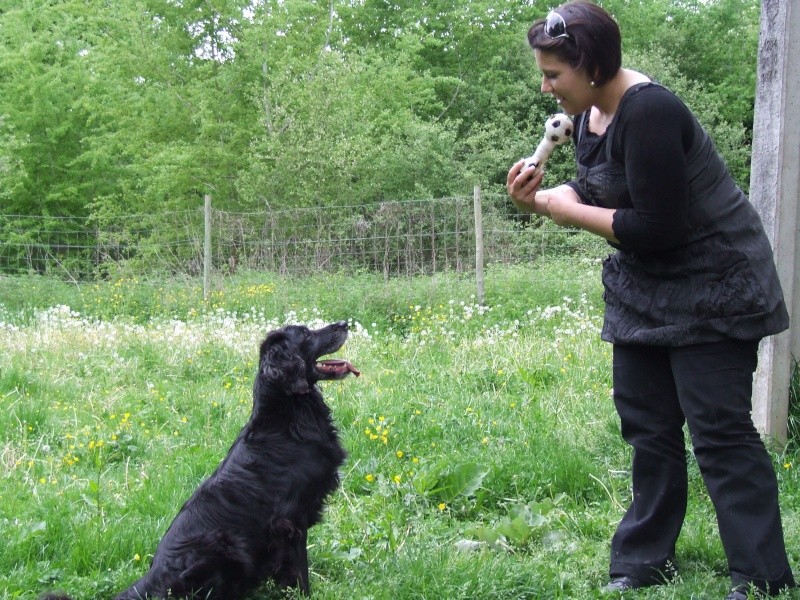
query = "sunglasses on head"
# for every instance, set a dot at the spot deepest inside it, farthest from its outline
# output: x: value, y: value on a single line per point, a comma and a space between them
x: 555, y: 26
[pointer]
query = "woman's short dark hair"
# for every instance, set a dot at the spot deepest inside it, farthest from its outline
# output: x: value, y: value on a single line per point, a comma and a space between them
x: 593, y: 40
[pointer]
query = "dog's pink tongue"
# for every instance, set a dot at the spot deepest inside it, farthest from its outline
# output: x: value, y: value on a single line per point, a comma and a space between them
x: 339, y: 366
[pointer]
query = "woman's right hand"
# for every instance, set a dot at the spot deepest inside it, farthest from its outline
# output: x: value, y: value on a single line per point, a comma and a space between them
x: 522, y: 185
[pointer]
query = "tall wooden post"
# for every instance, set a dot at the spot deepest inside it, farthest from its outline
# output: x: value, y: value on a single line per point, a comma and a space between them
x: 206, y: 246
x: 476, y: 203
x: 774, y: 190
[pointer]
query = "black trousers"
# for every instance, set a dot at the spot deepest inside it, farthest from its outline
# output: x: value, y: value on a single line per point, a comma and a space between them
x: 708, y: 387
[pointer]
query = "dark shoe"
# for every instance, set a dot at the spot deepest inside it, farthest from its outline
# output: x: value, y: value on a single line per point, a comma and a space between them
x: 622, y: 584
x: 741, y: 593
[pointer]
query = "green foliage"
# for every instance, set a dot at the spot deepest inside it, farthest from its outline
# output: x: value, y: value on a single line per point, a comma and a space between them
x: 107, y: 107
x: 44, y: 116
x: 719, y: 50
x: 794, y: 407
x: 522, y: 523
x: 730, y: 138
x: 484, y: 453
x: 449, y: 483
x: 378, y: 141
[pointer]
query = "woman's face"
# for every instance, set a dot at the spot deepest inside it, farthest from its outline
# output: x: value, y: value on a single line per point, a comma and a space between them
x: 570, y: 87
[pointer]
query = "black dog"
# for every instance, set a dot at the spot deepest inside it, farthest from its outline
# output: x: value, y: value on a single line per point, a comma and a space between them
x: 249, y: 520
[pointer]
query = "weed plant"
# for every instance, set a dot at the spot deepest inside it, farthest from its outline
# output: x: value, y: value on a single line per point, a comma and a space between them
x: 484, y: 453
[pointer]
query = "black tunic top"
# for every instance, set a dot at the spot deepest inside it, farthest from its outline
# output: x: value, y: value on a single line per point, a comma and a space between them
x: 694, y: 264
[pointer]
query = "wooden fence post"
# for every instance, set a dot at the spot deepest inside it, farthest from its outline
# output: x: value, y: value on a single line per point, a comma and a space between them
x: 476, y: 201
x: 775, y: 179
x: 207, y: 247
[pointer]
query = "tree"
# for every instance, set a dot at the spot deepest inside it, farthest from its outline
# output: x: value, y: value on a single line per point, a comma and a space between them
x: 43, y: 103
x: 147, y: 105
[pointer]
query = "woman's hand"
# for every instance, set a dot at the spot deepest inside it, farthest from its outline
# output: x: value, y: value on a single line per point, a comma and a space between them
x: 522, y: 188
x: 561, y: 203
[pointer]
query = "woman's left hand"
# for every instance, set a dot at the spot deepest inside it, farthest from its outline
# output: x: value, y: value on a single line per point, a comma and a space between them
x: 523, y: 188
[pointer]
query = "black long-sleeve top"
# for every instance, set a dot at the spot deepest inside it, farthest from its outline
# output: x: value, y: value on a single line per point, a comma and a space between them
x: 693, y: 263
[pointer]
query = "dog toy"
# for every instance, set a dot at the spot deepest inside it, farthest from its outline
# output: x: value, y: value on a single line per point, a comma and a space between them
x: 557, y: 129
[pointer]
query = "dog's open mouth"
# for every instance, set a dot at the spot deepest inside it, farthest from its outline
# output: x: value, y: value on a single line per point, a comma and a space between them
x: 336, y: 369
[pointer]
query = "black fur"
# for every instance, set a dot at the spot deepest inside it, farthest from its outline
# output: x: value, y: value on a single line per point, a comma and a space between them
x: 249, y: 520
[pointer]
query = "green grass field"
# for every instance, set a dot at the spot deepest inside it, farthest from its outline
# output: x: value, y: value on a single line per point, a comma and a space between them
x: 484, y: 452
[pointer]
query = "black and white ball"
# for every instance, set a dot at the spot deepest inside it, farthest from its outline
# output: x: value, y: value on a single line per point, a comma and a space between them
x: 558, y: 128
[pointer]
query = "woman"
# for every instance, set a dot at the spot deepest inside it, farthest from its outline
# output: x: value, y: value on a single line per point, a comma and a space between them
x: 689, y: 292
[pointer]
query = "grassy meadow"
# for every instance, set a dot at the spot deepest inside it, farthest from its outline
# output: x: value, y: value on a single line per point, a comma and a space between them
x: 484, y: 452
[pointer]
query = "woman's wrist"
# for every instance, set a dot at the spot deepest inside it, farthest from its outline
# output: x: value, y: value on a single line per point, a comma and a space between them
x: 540, y: 203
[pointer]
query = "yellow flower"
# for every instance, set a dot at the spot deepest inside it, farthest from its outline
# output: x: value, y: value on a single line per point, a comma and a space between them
x: 397, y: 479
x: 137, y: 557
x: 399, y: 454
x: 442, y: 506
x: 370, y: 477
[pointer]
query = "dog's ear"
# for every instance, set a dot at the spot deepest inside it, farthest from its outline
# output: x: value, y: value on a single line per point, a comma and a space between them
x: 282, y: 366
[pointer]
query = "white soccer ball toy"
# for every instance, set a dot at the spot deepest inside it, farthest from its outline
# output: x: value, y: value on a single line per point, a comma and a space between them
x: 557, y: 129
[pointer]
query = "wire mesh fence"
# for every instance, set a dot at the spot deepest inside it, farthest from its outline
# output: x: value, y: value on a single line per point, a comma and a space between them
x: 419, y: 237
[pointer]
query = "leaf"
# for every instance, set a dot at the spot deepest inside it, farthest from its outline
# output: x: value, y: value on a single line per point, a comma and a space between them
x: 485, y: 534
x: 517, y: 530
x: 463, y: 480
x: 425, y: 481
x: 50, y: 576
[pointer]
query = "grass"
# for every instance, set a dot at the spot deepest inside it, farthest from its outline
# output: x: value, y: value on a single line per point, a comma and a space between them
x: 484, y: 453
